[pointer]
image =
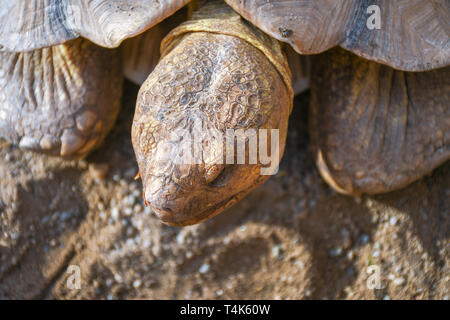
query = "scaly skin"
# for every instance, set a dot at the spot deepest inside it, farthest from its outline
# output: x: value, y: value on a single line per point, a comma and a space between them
x: 220, y: 72
x: 60, y: 100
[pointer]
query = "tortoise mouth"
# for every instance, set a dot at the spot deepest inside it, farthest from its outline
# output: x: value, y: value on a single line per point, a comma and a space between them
x: 167, y: 216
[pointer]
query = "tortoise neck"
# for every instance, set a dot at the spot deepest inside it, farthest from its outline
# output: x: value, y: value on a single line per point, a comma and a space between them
x: 212, y: 9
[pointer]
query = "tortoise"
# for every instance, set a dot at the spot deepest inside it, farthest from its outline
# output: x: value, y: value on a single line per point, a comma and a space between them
x: 378, y: 119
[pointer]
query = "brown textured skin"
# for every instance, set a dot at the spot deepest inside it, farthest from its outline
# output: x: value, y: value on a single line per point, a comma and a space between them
x: 414, y: 34
x: 224, y: 81
x: 60, y: 100
x: 375, y: 129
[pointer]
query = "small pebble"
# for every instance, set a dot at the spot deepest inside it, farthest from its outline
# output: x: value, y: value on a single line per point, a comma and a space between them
x: 15, y: 235
x: 146, y: 243
x: 180, y: 238
x: 204, y: 268
x: 115, y: 213
x: 109, y: 282
x: 350, y: 255
x: 118, y: 278
x: 65, y: 215
x: 335, y: 252
x: 364, y: 238
x: 393, y: 221
x: 129, y: 200
x: 138, y: 224
x: 277, y: 251
x: 399, y: 281
x: 128, y: 211
x: 137, y: 283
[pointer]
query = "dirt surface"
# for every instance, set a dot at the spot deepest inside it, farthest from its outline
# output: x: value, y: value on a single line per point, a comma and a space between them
x: 292, y: 238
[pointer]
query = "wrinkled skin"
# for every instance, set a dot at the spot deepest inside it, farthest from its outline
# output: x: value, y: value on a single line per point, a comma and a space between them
x: 221, y: 82
x: 53, y: 100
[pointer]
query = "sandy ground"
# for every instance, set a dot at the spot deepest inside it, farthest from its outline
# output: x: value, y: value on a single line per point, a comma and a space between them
x: 292, y: 238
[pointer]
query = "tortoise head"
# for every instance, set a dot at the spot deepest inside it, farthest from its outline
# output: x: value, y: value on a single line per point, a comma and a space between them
x: 202, y: 117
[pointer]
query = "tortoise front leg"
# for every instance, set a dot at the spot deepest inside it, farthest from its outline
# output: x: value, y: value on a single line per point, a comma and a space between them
x: 60, y: 100
x: 375, y: 129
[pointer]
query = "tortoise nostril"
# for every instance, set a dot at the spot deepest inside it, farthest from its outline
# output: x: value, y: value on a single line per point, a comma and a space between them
x: 223, y: 177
